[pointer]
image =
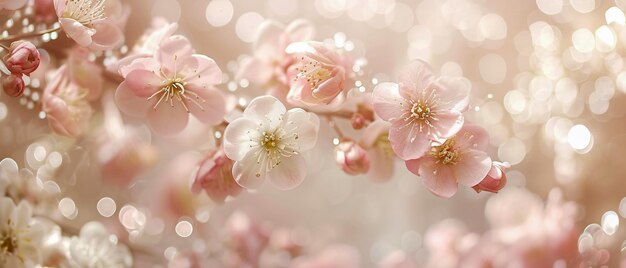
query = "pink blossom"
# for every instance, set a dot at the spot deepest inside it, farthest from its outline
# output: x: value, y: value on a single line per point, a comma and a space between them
x: 321, y: 76
x: 268, y: 142
x: 375, y: 140
x: 459, y: 159
x: 13, y: 85
x: 44, y: 11
x: 23, y: 58
x: 124, y: 157
x: 421, y: 108
x: 246, y: 239
x: 12, y: 4
x: 67, y: 109
x: 352, y: 158
x: 269, y: 64
x: 86, y: 22
x: 495, y: 179
x: 333, y: 256
x: 172, y: 85
x: 215, y: 177
x: 397, y: 259
x: 85, y: 73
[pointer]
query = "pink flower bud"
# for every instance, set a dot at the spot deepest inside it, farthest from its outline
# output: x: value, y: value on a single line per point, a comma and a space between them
x: 495, y: 179
x: 352, y: 158
x: 358, y: 121
x: 44, y: 11
x: 23, y: 58
x: 215, y: 177
x: 13, y: 85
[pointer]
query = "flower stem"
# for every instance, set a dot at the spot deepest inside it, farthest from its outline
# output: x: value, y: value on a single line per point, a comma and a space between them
x: 335, y: 127
x: 16, y: 37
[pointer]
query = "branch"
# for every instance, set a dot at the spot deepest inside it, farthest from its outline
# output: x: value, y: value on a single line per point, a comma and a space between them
x: 16, y: 37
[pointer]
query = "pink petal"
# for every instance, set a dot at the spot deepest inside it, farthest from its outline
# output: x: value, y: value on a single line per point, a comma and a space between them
x: 237, y: 142
x: 267, y: 41
x: 414, y: 165
x: 438, y: 179
x: 143, y: 83
x: 13, y: 4
x: 78, y: 32
x: 172, y: 51
x: 406, y: 143
x: 59, y: 7
x: 454, y: 93
x: 388, y: 102
x: 200, y: 71
x: 167, y: 120
x: 417, y: 75
x: 448, y: 123
x: 213, y: 110
x: 264, y: 108
x: 255, y: 70
x: 289, y: 174
x: 330, y: 88
x: 300, y: 30
x: 107, y: 36
x: 129, y: 102
x: 472, y: 137
x: 245, y: 172
x: 142, y: 62
x: 472, y: 168
x: 373, y: 131
x: 305, y: 124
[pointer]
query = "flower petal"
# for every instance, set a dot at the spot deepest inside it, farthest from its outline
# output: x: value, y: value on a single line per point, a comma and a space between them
x: 417, y: 76
x: 373, y: 132
x: 129, y: 102
x: 472, y: 137
x: 255, y: 70
x: 237, y: 135
x: 289, y: 174
x: 387, y: 101
x: 167, y: 120
x: 143, y: 83
x: 78, y: 32
x: 472, y: 168
x: 305, y: 124
x: 213, y: 109
x: 407, y: 142
x: 267, y: 40
x: 448, y: 123
x: 300, y: 30
x: 438, y: 179
x: 59, y: 7
x: 264, y: 108
x: 172, y: 51
x: 245, y: 172
x: 107, y: 36
x: 454, y: 93
x: 200, y: 71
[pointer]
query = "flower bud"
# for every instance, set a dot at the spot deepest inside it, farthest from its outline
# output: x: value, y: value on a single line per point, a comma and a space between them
x: 13, y: 85
x: 358, y: 121
x: 215, y: 177
x: 495, y: 179
x: 352, y: 158
x: 23, y: 58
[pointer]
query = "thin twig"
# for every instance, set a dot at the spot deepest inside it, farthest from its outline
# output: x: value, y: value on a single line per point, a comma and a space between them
x: 333, y: 124
x: 16, y: 37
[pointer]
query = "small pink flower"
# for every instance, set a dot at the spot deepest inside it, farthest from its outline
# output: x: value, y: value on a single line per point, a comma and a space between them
x: 44, y: 11
x: 321, y: 76
x: 375, y: 140
x: 246, y: 239
x: 86, y: 23
x: 352, y: 158
x: 215, y: 177
x: 123, y: 158
x: 23, y: 58
x: 85, y: 73
x: 67, y: 109
x: 495, y: 180
x: 13, y: 85
x: 12, y: 4
x: 172, y: 85
x: 421, y: 108
x: 268, y: 142
x: 334, y: 256
x: 460, y: 159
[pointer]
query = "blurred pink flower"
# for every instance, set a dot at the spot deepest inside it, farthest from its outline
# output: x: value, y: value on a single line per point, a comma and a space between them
x: 85, y: 73
x: 246, y: 240
x: 375, y: 140
x: 172, y: 85
x: 44, y: 11
x: 352, y: 158
x: 12, y: 4
x: 13, y: 85
x: 321, y: 76
x: 333, y: 256
x: 460, y: 159
x: 215, y: 177
x: 86, y: 22
x: 122, y: 158
x: 495, y: 179
x: 397, y: 259
x: 421, y: 108
x: 22, y: 58
x: 268, y: 142
x: 67, y: 109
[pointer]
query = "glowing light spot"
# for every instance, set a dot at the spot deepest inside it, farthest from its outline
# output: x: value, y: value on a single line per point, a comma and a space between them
x: 610, y: 222
x: 583, y: 40
x: 493, y: 27
x: 219, y: 12
x: 615, y: 15
x: 247, y: 25
x: 184, y: 229
x: 579, y: 137
x: 67, y: 207
x: 550, y: 7
x: 106, y: 207
x: 583, y: 6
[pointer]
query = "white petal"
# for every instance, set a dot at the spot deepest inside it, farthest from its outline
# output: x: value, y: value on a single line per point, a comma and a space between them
x: 305, y: 125
x: 237, y: 138
x: 248, y: 173
x: 265, y: 109
x: 289, y: 174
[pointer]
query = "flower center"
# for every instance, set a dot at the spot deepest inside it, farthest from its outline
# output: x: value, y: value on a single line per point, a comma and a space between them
x: 174, y: 89
x: 313, y: 71
x: 8, y: 243
x: 446, y: 153
x: 274, y: 145
x: 84, y: 11
x: 269, y: 141
x: 420, y: 111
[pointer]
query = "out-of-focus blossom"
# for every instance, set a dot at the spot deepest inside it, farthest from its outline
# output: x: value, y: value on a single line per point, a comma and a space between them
x: 12, y: 4
x: 375, y: 140
x: 22, y: 58
x: 117, y: 12
x: 446, y: 242
x: 66, y: 106
x: 215, y: 177
x: 333, y: 256
x: 22, y: 184
x: 21, y: 235
x: 283, y: 239
x: 461, y: 159
x: 13, y: 85
x: 94, y: 248
x: 173, y: 85
x: 594, y: 257
x: 352, y: 158
x: 268, y: 142
x: 44, y: 11
x: 123, y: 158
x: 85, y: 73
x: 86, y: 22
x: 246, y: 241
x: 320, y: 77
x: 269, y: 64
x: 495, y: 180
x: 397, y: 259
x: 421, y: 108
